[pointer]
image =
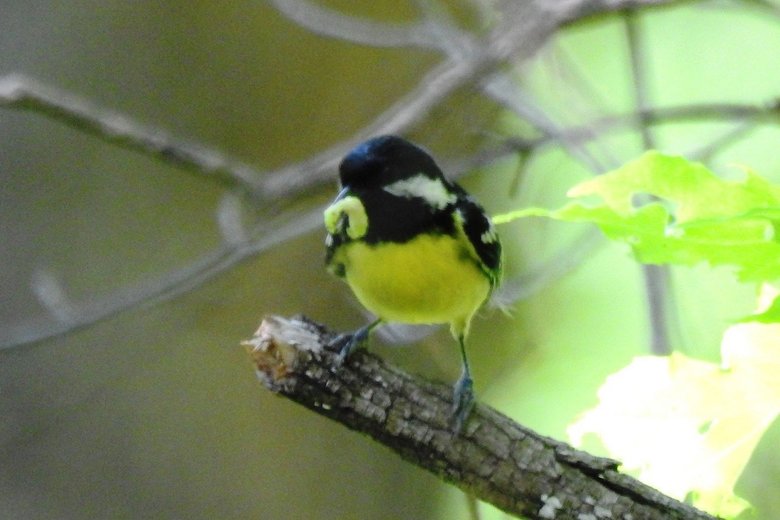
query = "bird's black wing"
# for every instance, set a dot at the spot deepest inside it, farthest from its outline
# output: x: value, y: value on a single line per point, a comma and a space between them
x: 481, y: 233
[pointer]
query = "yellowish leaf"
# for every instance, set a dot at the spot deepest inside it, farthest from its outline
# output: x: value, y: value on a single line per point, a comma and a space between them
x: 688, y: 427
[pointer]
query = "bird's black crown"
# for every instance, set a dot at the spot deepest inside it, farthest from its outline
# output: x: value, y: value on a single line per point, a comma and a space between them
x: 384, y: 160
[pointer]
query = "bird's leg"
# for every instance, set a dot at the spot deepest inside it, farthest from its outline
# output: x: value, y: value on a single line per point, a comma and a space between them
x: 348, y: 343
x: 463, y: 392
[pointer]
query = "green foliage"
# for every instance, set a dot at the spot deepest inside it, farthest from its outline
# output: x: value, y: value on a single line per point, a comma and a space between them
x: 672, y: 211
x: 685, y: 426
x: 770, y: 315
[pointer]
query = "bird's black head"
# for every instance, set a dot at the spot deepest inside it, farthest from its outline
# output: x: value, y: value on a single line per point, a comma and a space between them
x: 383, y: 160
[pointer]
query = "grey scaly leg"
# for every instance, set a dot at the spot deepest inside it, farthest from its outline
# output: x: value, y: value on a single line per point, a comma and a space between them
x: 463, y: 392
x: 350, y: 342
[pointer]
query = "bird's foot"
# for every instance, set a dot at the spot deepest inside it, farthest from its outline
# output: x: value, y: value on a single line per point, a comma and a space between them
x: 347, y: 343
x: 463, y: 402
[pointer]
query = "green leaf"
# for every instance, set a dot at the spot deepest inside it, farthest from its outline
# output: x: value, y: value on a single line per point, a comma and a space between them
x: 688, y: 427
x: 672, y: 211
x: 770, y: 315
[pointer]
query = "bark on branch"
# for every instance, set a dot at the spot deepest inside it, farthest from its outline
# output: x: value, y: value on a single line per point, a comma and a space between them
x: 493, y: 458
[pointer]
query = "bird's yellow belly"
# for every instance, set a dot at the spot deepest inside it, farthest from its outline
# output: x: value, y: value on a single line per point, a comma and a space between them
x: 430, y: 279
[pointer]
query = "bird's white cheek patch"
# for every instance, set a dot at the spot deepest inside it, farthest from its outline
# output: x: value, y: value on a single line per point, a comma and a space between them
x: 353, y: 209
x: 433, y: 191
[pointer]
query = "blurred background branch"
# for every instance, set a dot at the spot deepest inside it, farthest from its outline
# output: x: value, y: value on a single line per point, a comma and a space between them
x: 18, y: 92
x: 525, y: 28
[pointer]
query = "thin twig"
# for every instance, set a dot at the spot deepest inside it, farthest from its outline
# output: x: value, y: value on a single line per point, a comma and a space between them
x: 656, y: 277
x: 705, y: 151
x: 637, y: 58
x: 524, y: 29
x: 335, y: 24
x: 495, y: 459
x: 762, y: 7
x: 546, y: 270
x: 750, y: 116
x: 23, y: 93
x: 82, y: 314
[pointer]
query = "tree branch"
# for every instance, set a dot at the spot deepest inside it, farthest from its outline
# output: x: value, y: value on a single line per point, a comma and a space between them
x: 22, y: 93
x: 494, y: 459
x: 525, y: 27
x: 656, y: 277
x: 73, y: 315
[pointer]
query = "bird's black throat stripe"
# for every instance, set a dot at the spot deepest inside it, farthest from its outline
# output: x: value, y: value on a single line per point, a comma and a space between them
x: 400, y: 219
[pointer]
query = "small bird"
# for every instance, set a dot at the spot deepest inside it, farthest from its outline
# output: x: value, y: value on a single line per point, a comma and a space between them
x: 413, y: 246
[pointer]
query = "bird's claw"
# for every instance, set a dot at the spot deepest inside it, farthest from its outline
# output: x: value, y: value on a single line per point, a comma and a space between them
x: 463, y: 402
x: 347, y: 343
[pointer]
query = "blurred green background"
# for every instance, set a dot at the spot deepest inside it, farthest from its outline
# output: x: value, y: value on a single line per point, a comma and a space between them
x: 156, y: 412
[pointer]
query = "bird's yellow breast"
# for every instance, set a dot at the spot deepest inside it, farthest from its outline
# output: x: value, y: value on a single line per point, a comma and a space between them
x: 429, y: 279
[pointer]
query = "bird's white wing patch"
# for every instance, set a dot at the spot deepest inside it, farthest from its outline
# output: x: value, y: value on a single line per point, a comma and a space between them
x: 433, y: 191
x: 490, y: 236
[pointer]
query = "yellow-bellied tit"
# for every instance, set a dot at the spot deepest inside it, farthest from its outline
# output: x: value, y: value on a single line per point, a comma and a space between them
x: 413, y: 246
